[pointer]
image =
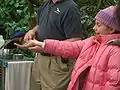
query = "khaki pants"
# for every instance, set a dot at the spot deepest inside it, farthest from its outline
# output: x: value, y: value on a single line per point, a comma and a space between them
x: 50, y: 73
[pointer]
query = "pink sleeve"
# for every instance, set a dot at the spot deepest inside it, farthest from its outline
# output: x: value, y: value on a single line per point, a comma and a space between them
x: 64, y: 48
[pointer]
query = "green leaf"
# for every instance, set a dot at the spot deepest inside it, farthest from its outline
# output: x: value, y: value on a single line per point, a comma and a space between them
x: 16, y: 4
x: 11, y: 2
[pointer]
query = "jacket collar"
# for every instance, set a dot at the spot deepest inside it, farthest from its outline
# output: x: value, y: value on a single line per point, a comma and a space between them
x: 106, y: 38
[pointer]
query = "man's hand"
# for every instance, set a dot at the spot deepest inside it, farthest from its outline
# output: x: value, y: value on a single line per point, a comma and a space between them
x: 115, y: 42
x: 30, y: 35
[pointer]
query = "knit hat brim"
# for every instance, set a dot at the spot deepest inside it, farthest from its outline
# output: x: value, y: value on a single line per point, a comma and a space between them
x: 108, y: 19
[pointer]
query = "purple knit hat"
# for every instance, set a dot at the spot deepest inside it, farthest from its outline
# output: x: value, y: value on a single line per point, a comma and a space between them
x: 107, y: 17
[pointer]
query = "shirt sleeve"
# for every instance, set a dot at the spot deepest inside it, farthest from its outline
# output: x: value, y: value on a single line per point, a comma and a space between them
x: 72, y: 23
x: 64, y: 48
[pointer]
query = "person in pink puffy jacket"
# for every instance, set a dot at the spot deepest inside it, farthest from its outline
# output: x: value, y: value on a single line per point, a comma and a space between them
x: 97, y: 64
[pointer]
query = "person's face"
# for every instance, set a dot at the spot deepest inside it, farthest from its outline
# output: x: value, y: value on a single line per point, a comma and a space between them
x: 100, y: 28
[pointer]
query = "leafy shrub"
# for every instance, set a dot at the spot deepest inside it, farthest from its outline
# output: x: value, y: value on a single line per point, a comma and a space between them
x: 14, y: 15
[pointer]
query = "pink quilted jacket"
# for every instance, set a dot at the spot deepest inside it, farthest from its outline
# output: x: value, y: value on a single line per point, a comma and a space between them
x: 94, y: 52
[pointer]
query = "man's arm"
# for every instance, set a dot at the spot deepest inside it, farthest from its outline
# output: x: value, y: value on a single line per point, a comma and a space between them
x: 35, y: 28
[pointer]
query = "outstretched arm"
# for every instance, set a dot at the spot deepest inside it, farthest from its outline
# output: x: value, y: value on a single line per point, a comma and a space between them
x: 60, y: 48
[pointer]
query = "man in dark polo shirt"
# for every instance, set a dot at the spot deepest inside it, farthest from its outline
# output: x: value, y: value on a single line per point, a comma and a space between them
x: 60, y: 20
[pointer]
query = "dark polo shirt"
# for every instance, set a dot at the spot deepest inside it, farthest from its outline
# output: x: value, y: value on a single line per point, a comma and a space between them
x: 58, y: 21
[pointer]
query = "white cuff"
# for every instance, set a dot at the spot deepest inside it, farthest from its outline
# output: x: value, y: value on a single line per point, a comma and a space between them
x: 43, y: 44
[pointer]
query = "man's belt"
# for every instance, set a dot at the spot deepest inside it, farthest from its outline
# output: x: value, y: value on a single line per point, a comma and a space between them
x: 46, y: 54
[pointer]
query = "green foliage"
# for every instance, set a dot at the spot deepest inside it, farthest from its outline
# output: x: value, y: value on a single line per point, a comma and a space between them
x: 14, y: 15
